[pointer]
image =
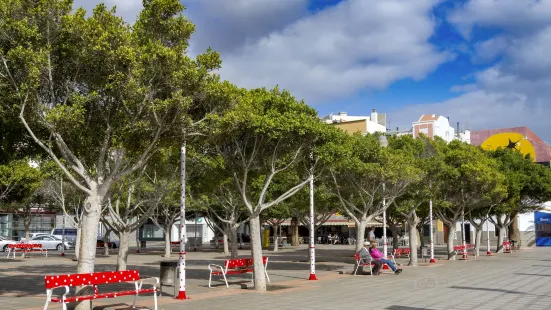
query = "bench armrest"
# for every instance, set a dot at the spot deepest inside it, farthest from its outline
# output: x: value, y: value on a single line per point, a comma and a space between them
x: 215, y: 265
x: 150, y: 280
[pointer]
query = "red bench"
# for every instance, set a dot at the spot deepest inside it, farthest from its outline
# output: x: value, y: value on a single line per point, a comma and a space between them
x: 25, y: 248
x: 402, y: 251
x: 369, y: 264
x: 464, y: 250
x: 94, y: 279
x: 236, y: 266
x: 509, y: 246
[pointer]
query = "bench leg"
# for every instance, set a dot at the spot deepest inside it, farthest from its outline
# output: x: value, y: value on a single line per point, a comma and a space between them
x: 210, y: 278
x: 48, y: 298
x: 226, y: 280
x: 155, y: 299
x: 266, y: 273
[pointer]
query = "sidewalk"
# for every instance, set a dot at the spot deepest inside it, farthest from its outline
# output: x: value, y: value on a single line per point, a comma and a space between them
x: 505, y: 281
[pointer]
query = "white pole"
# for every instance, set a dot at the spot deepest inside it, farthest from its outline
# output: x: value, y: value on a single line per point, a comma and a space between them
x: 385, y: 247
x: 182, y: 254
x: 463, y: 235
x: 63, y: 237
x: 431, y: 234
x: 312, y: 232
x: 489, y: 252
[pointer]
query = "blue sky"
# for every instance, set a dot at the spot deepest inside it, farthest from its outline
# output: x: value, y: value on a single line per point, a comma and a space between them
x: 483, y: 63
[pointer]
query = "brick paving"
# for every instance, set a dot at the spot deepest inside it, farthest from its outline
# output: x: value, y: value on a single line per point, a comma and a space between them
x: 519, y: 280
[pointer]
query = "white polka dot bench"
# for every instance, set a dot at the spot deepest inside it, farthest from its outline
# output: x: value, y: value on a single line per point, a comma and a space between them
x: 93, y: 280
x: 236, y: 266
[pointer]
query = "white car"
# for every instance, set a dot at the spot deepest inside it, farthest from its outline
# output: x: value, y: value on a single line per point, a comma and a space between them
x: 51, y: 242
x: 4, y: 243
x: 33, y: 235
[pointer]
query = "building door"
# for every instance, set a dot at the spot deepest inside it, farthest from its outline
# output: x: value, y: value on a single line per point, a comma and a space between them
x: 446, y: 233
x: 467, y: 233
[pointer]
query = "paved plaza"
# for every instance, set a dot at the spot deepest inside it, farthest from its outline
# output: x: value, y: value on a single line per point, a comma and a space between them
x: 519, y: 280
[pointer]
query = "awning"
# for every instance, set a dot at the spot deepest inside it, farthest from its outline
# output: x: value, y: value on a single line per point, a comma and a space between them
x: 338, y: 220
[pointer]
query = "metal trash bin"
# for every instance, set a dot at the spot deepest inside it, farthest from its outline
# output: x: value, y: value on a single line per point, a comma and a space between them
x: 169, y: 275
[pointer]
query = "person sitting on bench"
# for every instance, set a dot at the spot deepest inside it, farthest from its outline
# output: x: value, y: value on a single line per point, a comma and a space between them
x: 366, y: 258
x: 378, y: 256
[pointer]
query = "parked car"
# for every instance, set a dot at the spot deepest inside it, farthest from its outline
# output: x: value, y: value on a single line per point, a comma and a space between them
x: 33, y: 235
x: 70, y: 233
x: 51, y: 242
x: 4, y: 243
x: 112, y: 244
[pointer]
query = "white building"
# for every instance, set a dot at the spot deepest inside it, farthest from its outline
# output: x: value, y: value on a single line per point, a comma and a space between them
x: 376, y: 122
x: 432, y: 126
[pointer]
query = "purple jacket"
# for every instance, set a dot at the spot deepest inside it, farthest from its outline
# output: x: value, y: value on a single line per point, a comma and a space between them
x: 376, y: 254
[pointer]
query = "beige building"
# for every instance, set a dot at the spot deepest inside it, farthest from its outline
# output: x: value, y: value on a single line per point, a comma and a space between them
x: 376, y: 122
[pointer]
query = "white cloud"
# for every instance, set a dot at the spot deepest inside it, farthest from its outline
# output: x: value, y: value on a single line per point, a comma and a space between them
x: 516, y: 90
x: 128, y: 9
x: 514, y: 16
x: 229, y: 25
x: 336, y: 52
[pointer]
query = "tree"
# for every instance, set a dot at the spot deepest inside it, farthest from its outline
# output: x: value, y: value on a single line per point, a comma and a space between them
x: 68, y: 198
x: 366, y: 174
x: 528, y: 187
x: 140, y: 196
x: 265, y: 134
x: 100, y: 94
x: 466, y: 176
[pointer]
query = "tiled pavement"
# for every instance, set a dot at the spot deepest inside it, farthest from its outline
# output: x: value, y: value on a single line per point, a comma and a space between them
x: 518, y: 280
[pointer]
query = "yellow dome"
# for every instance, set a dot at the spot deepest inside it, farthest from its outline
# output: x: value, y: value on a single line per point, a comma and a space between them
x: 511, y: 140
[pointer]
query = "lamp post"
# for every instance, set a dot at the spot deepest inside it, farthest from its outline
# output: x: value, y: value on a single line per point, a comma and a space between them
x: 384, y: 143
x: 431, y: 234
x: 182, y: 254
x: 63, y: 237
x: 488, y: 252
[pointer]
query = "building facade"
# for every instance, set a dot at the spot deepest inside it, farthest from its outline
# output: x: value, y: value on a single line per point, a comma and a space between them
x: 520, y: 138
x: 376, y: 122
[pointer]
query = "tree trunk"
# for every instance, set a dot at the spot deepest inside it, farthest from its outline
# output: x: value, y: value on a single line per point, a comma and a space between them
x: 226, y: 243
x: 88, y: 239
x: 360, y: 234
x: 233, y: 241
x: 413, y: 221
x: 394, y: 230
x: 27, y: 225
x: 499, y: 247
x: 106, y: 242
x: 78, y: 242
x: 514, y: 231
x: 256, y: 249
x: 451, y: 235
x: 168, y: 245
x: 276, y: 239
x: 294, y: 231
x: 477, y: 240
x: 122, y: 258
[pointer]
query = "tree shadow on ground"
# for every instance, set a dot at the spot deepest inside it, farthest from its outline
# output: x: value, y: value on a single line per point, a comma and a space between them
x: 496, y: 290
x: 533, y: 274
x: 405, y: 308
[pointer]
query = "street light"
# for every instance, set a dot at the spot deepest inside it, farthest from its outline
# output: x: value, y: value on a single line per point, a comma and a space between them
x: 383, y: 141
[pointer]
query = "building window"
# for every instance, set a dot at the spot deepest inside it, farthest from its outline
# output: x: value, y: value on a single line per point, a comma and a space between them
x: 424, y: 131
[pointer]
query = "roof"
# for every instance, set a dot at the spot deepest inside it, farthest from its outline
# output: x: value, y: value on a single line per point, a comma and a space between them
x: 428, y: 118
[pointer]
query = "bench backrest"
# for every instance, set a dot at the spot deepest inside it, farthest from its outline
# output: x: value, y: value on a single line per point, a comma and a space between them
x: 242, y: 262
x: 24, y: 246
x: 95, y: 278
